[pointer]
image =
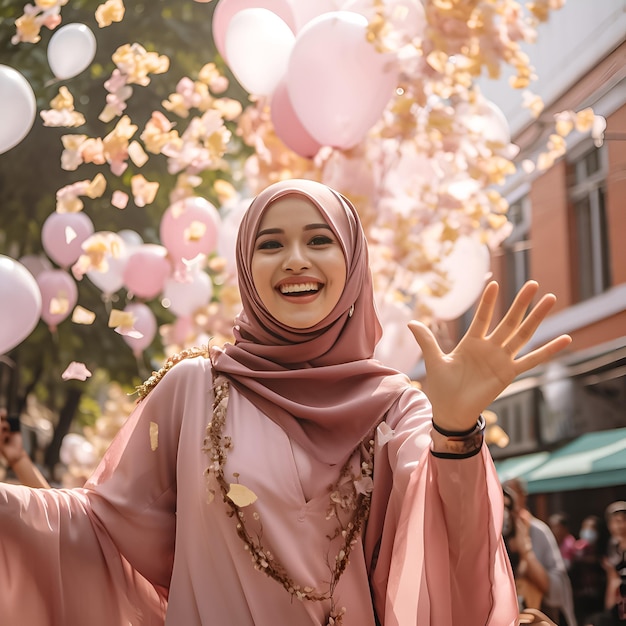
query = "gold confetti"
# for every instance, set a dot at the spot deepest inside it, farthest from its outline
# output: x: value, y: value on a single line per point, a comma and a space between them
x: 121, y: 318
x: 80, y: 315
x: 154, y: 436
x: 241, y: 495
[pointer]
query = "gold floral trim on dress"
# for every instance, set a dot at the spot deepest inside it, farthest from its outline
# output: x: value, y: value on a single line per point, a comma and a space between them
x: 349, y: 494
x: 144, y: 389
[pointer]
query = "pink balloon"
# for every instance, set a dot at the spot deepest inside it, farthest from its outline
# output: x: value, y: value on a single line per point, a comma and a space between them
x: 338, y: 83
x: 35, y: 263
x: 145, y: 323
x: 59, y: 295
x: 182, y: 330
x: 288, y: 126
x: 62, y: 236
x: 188, y: 228
x: 146, y: 270
x: 225, y: 10
x: 20, y: 303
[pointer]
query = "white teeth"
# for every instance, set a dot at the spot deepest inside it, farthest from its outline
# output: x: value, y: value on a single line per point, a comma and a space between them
x: 299, y: 288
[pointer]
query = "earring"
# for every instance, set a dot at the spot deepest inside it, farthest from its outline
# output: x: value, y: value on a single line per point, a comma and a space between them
x: 351, y: 311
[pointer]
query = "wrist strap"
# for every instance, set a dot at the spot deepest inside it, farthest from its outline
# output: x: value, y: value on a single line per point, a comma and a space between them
x: 462, y: 434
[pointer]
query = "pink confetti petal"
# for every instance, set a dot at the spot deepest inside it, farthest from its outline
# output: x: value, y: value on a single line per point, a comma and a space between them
x: 76, y: 371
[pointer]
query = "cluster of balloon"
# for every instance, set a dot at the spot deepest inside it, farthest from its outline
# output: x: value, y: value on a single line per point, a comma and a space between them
x: 326, y: 84
x: 20, y: 303
x: 70, y: 51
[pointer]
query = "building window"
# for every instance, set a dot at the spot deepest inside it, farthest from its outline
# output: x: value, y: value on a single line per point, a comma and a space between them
x: 517, y: 416
x: 516, y: 249
x: 587, y: 192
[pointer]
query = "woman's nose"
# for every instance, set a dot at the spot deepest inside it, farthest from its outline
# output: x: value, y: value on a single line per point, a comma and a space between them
x: 296, y: 259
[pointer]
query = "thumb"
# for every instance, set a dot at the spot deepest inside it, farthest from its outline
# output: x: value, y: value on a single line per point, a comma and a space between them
x: 426, y: 340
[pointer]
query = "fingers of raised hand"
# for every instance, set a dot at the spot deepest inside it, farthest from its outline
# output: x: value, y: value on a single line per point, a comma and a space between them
x: 484, y: 311
x: 542, y: 354
x: 533, y: 616
x: 425, y: 339
x: 514, y: 317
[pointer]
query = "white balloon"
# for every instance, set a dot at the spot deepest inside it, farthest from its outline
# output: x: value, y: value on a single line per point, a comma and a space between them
x: 467, y: 269
x: 231, y: 219
x: 131, y: 238
x: 76, y: 450
x: 71, y: 50
x: 306, y: 10
x: 486, y: 119
x: 112, y: 280
x: 396, y: 347
x: 187, y: 296
x: 20, y: 303
x: 18, y: 108
x: 258, y: 44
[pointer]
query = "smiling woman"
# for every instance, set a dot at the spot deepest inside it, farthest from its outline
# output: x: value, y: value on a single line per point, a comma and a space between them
x: 289, y: 477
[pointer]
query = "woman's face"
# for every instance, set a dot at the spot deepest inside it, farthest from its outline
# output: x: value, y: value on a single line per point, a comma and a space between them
x: 298, y: 267
x: 617, y: 524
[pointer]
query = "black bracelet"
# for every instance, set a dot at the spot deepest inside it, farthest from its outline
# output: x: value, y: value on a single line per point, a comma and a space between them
x: 462, y: 444
x: 454, y: 455
x: 461, y: 434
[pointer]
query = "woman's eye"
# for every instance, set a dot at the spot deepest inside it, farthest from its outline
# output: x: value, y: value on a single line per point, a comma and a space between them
x: 270, y: 244
x: 320, y: 240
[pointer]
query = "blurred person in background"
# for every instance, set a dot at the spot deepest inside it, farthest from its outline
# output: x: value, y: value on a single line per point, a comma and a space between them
x: 559, y: 525
x: 557, y: 599
x: 13, y: 453
x: 586, y: 572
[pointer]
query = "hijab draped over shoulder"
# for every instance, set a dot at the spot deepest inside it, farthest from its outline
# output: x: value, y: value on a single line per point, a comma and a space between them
x: 320, y: 384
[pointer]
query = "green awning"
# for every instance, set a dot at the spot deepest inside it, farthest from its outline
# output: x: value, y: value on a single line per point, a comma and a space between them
x: 592, y: 460
x: 519, y: 466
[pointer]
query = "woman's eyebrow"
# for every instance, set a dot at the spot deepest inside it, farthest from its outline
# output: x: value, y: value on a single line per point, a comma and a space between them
x: 278, y: 231
x: 269, y: 231
x: 316, y: 226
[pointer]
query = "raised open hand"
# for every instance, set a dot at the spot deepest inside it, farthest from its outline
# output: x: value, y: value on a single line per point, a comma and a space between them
x: 465, y: 381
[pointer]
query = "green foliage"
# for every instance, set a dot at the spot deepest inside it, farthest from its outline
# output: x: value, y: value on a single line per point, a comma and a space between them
x: 31, y: 173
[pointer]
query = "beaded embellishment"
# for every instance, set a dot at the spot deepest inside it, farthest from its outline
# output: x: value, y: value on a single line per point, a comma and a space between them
x: 349, y: 494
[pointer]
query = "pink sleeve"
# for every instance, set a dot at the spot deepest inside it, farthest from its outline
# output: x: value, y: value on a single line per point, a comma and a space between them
x: 100, y: 555
x: 449, y: 565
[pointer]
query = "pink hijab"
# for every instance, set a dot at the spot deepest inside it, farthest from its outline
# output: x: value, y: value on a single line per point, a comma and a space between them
x: 320, y: 384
